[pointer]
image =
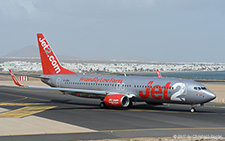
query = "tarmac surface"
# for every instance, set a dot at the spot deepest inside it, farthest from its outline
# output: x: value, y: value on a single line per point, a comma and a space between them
x: 46, y: 115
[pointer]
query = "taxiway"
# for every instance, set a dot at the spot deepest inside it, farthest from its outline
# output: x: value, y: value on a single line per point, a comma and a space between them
x: 47, y: 115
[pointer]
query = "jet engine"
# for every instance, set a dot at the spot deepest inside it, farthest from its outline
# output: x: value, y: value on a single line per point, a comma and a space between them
x: 116, y: 100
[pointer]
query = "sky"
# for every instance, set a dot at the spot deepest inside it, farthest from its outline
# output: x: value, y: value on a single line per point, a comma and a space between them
x: 147, y: 30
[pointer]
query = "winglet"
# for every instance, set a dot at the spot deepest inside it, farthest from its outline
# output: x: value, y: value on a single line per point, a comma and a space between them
x: 15, y: 80
x: 158, y: 73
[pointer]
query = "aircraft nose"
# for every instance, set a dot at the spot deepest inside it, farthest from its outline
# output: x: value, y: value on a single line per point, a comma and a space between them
x: 209, y: 95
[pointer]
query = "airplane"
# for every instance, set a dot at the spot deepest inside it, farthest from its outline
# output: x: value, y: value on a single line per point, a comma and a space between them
x: 117, y: 91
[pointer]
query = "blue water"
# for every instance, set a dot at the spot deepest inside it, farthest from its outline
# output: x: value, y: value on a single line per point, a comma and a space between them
x: 189, y: 75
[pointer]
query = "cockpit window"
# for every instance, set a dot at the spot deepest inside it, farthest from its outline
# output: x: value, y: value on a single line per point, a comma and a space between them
x: 195, y: 88
x: 203, y: 88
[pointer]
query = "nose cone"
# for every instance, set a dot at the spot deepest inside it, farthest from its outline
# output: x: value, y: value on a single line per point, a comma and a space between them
x: 209, y: 96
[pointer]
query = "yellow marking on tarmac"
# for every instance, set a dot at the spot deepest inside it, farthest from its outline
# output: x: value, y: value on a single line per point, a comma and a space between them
x: 23, y: 96
x: 157, y: 111
x: 25, y: 111
x: 19, y: 104
x: 150, y: 111
x: 161, y: 129
x: 19, y: 99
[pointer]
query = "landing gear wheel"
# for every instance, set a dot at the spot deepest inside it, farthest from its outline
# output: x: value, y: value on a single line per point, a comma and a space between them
x: 102, y: 105
x: 130, y: 104
x: 193, y: 110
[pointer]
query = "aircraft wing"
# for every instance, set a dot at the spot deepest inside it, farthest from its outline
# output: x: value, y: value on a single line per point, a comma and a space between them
x: 73, y: 91
x: 68, y: 90
x: 64, y: 90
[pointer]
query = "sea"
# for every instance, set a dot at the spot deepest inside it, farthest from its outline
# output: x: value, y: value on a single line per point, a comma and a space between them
x: 188, y: 75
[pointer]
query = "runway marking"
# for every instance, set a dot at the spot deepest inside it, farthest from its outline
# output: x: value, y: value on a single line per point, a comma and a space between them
x: 23, y: 96
x: 19, y: 104
x: 19, y: 99
x: 161, y: 129
x: 150, y: 111
x: 28, y: 97
x: 25, y: 111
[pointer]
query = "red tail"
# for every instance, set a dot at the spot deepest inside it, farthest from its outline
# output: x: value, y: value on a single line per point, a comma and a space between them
x: 50, y: 63
x: 158, y: 73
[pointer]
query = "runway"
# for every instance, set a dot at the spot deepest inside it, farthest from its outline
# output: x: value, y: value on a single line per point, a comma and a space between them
x: 47, y: 115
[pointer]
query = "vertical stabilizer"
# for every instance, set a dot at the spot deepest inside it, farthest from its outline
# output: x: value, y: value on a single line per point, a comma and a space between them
x: 49, y: 61
x: 158, y: 73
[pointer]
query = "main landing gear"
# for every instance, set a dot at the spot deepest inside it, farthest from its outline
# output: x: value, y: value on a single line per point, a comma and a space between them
x: 102, y: 105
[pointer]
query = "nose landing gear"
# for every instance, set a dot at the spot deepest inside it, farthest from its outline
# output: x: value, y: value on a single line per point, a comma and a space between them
x: 193, y: 107
x: 192, y: 110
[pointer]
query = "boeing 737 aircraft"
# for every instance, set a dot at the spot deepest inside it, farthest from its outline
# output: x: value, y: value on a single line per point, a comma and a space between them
x: 117, y: 91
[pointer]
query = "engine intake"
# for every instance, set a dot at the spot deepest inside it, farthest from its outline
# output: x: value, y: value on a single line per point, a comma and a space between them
x: 116, y: 100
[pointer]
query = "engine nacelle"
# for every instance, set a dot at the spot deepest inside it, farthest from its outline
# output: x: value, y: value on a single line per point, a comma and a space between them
x: 116, y: 100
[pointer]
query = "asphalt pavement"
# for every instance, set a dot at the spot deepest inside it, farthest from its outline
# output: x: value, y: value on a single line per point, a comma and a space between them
x: 49, y: 115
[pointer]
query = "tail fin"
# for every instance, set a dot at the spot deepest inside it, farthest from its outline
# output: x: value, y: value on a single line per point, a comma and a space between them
x: 158, y: 73
x: 49, y: 61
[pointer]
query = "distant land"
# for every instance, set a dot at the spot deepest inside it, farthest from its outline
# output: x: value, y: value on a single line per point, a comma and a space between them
x: 32, y: 52
x: 28, y: 52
